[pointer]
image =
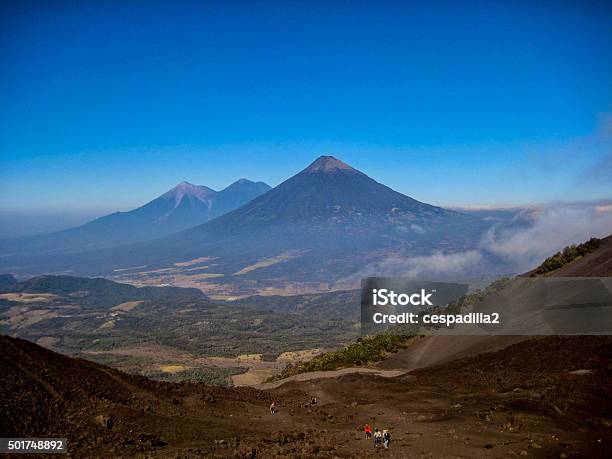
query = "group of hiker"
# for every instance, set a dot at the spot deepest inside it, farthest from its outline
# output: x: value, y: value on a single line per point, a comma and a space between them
x: 380, y: 438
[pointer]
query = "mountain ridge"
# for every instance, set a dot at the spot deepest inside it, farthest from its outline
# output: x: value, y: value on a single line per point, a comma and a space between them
x: 179, y: 208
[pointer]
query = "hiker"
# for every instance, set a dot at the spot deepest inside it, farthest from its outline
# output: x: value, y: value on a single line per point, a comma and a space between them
x: 368, y: 430
x: 313, y: 400
x: 377, y: 438
x: 273, y: 407
x: 386, y: 438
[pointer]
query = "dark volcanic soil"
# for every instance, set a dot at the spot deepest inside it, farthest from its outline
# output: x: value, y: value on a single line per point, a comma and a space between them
x: 548, y: 397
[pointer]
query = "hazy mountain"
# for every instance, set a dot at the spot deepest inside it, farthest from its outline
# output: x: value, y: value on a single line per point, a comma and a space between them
x: 324, y: 223
x: 236, y: 195
x: 182, y: 207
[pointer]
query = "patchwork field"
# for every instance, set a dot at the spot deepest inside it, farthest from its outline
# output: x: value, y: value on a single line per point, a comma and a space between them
x: 239, y: 342
x: 204, y: 274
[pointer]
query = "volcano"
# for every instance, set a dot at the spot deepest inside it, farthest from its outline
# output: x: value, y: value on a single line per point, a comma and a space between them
x: 331, y: 193
x: 323, y: 224
x: 184, y: 206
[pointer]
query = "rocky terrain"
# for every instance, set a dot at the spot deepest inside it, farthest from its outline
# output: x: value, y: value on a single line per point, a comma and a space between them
x: 539, y: 398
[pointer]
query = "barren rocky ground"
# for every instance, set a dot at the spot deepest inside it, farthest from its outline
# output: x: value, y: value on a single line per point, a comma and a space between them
x: 547, y: 397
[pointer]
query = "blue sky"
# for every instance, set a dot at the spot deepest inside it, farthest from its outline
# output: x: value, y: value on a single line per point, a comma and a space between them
x: 106, y: 105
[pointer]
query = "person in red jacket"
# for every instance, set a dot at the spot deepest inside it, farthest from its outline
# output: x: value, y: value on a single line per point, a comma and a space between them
x: 368, y: 430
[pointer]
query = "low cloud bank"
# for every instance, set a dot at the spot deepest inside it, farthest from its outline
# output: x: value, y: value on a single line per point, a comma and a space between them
x: 436, y: 263
x: 435, y: 266
x: 514, y: 246
x: 552, y: 228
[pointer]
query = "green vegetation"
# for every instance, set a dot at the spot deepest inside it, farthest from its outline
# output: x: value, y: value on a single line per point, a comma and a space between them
x: 364, y: 351
x: 566, y: 256
x: 215, y: 376
x: 461, y: 304
x: 88, y: 325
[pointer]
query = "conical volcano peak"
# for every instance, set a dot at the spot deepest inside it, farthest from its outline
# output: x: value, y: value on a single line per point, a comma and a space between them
x: 329, y: 164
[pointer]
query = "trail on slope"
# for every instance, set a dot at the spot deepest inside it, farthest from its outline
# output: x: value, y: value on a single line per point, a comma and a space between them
x: 331, y: 374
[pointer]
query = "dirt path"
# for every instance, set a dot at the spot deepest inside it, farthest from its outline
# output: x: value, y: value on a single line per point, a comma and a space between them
x: 428, y: 351
x: 331, y: 374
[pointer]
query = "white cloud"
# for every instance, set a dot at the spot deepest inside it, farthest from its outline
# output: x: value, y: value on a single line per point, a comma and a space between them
x: 553, y: 227
x: 435, y: 265
x: 532, y: 235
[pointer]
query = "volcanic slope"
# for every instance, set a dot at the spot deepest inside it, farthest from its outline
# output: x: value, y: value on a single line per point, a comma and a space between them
x: 543, y: 402
x: 321, y: 225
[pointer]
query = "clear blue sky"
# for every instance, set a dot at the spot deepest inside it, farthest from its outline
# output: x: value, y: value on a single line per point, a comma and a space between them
x: 107, y: 104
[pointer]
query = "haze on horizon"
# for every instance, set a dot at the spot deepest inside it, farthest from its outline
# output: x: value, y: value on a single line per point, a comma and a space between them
x: 105, y: 107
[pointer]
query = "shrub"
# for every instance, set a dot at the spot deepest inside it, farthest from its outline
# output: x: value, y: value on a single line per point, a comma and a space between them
x: 362, y: 352
x: 567, y: 255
